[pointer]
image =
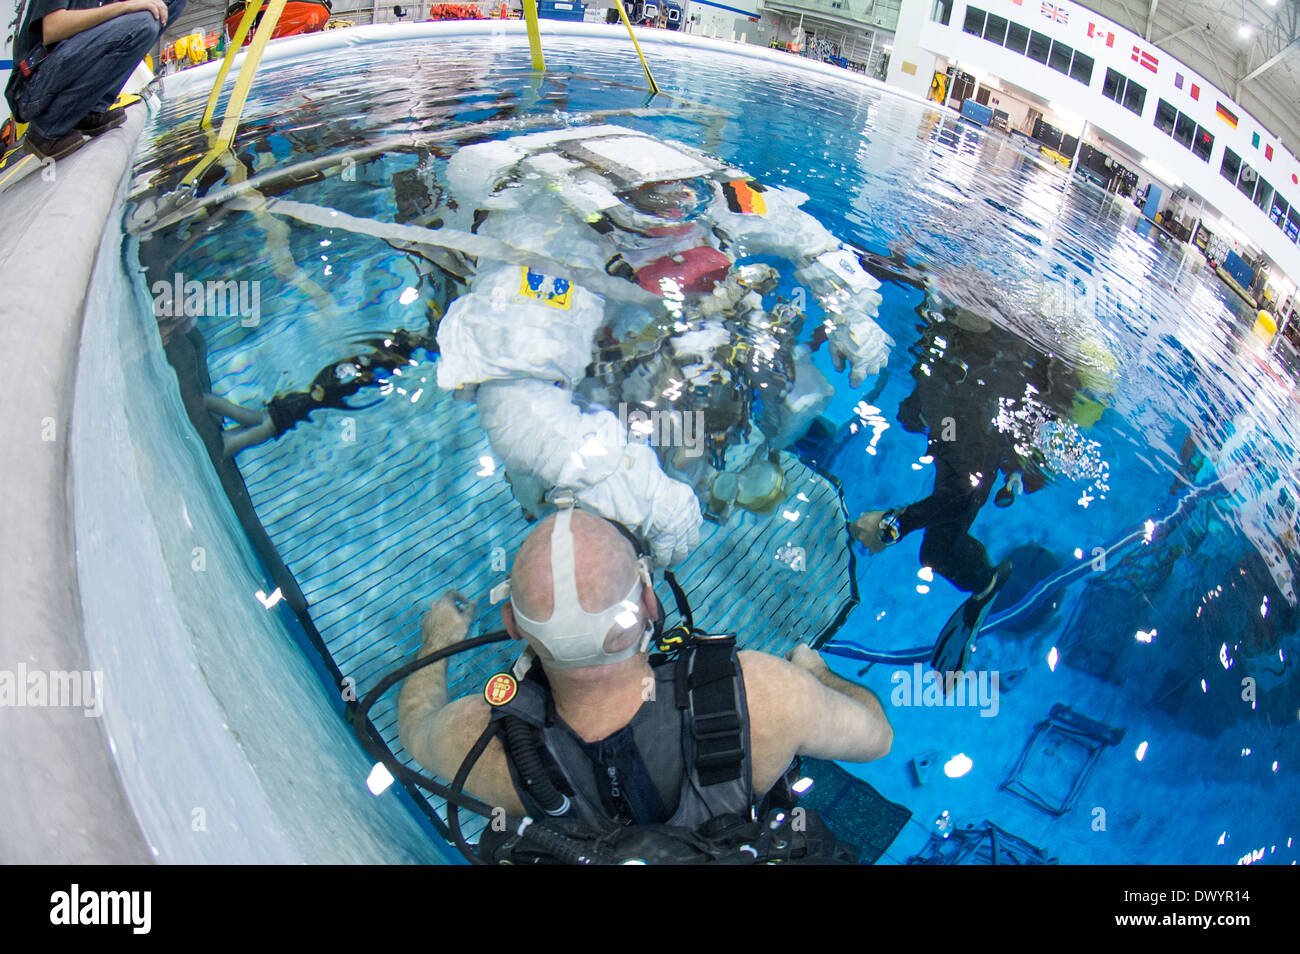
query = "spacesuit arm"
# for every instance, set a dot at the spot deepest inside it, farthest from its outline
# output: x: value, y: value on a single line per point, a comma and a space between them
x: 538, y: 431
x: 825, y: 266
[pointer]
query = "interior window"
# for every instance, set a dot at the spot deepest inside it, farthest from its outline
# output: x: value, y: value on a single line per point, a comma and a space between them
x: 1231, y: 167
x: 1135, y: 97
x: 1166, y: 116
x: 1113, y: 88
x: 1039, y: 47
x: 1203, y: 144
x: 1017, y: 38
x: 1081, y: 68
x: 1264, y: 195
x: 995, y: 30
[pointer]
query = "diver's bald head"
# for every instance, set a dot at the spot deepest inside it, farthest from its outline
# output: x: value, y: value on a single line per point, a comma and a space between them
x: 605, y: 566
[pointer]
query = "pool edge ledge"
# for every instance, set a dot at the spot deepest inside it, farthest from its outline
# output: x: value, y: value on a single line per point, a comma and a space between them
x: 63, y: 796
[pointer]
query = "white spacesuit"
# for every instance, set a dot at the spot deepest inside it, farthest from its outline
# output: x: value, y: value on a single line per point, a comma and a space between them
x: 662, y: 227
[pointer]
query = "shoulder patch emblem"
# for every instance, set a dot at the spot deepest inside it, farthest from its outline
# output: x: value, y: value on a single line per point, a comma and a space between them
x: 500, y: 689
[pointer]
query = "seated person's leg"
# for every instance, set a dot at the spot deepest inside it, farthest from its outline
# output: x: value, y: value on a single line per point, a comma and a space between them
x: 85, y: 72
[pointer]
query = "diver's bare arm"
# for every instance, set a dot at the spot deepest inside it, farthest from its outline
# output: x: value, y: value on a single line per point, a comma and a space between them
x: 423, y: 697
x: 848, y: 722
x: 424, y: 694
x: 791, y: 713
x: 61, y: 24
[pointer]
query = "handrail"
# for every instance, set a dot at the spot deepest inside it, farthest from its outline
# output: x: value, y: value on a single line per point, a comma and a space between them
x: 654, y: 87
x: 236, y: 43
x: 534, y: 35
x: 239, y: 95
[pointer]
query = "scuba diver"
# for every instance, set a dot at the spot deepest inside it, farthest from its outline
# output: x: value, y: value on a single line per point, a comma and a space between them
x: 609, y: 755
x: 331, y: 388
x: 969, y: 375
x: 645, y: 241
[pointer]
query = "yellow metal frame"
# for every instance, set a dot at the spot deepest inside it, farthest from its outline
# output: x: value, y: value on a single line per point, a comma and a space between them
x: 622, y: 13
x: 535, y: 41
x: 534, y: 35
x: 236, y: 44
x: 219, y: 145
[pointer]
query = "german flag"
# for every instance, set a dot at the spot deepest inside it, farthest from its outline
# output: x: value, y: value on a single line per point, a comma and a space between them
x: 1227, y: 115
x: 743, y: 196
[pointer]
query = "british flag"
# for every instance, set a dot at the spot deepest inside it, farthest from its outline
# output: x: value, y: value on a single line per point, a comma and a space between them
x: 1054, y: 12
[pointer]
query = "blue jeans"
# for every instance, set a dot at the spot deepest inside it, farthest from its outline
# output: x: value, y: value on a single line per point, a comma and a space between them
x: 85, y: 72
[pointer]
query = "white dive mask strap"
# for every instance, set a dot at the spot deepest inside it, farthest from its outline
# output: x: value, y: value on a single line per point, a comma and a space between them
x: 573, y: 636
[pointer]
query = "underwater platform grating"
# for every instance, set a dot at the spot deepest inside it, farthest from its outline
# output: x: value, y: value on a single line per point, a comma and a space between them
x: 379, y: 511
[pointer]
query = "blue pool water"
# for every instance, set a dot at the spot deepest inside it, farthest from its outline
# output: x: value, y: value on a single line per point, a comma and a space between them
x: 1183, y: 637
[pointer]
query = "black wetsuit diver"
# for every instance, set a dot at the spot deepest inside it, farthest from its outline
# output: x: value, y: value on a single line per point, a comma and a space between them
x: 964, y: 367
x: 331, y: 388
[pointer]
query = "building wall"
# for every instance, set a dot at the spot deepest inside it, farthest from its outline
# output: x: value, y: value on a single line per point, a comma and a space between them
x: 724, y: 19
x: 1017, y: 110
x: 1163, y: 78
x: 912, y: 63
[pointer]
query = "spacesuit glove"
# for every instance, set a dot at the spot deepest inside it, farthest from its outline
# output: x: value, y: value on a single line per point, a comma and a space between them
x: 861, y: 343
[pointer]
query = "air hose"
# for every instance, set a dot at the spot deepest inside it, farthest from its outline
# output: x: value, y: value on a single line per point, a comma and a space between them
x: 524, y: 751
x: 373, y: 744
x: 1047, y: 587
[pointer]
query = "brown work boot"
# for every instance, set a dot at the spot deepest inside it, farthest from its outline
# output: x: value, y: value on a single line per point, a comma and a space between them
x: 96, y: 123
x: 46, y: 148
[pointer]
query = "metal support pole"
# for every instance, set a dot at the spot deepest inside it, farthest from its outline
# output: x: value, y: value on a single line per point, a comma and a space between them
x: 1078, y: 150
x: 535, y: 34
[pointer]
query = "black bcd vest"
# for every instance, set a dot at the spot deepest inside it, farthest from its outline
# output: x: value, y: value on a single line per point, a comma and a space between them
x: 672, y: 786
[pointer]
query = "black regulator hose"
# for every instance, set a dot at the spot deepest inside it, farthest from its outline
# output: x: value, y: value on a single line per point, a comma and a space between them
x: 523, y: 744
x: 458, y: 786
x: 376, y: 747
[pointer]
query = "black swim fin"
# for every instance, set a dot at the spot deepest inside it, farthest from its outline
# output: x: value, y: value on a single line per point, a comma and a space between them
x: 953, y: 648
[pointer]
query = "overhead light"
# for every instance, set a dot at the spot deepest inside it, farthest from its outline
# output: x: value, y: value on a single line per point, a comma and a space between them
x: 1067, y: 117
x: 1243, y: 32
x: 1161, y: 173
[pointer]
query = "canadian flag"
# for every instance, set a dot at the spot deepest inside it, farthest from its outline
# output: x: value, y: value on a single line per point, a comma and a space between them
x: 1096, y: 33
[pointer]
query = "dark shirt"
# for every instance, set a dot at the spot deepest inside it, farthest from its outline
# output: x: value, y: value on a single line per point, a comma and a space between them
x: 29, y: 37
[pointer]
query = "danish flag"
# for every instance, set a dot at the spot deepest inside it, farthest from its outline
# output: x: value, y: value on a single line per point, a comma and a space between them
x: 1145, y: 58
x: 1096, y: 33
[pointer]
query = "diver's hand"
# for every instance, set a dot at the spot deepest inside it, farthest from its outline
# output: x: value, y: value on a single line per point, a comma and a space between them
x: 866, y: 530
x: 805, y: 657
x: 446, y: 622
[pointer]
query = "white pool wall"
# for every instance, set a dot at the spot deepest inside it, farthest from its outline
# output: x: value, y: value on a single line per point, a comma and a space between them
x: 227, y: 743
